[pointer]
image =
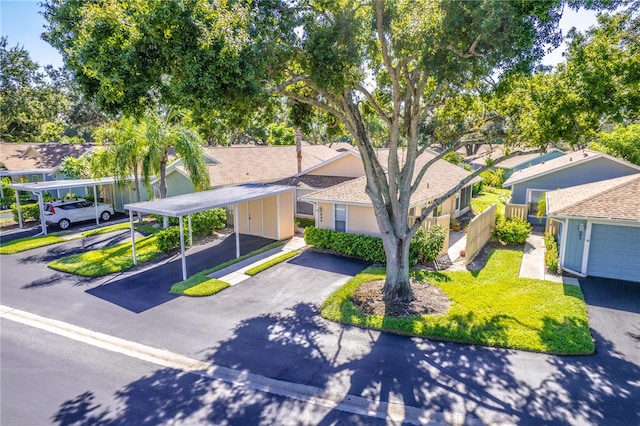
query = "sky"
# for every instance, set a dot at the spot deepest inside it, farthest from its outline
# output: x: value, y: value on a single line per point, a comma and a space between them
x: 22, y: 23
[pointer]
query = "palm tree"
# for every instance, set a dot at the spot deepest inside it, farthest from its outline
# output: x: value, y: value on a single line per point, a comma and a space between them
x: 126, y: 149
x: 164, y: 132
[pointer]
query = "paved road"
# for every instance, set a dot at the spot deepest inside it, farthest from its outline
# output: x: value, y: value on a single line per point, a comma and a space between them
x: 269, y: 326
x: 49, y: 379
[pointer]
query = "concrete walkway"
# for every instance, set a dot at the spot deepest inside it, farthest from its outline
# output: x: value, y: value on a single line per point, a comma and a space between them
x: 235, y: 273
x: 533, y: 261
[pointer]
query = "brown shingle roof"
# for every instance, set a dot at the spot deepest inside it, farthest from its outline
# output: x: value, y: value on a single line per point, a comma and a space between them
x: 569, y: 160
x: 313, y: 181
x: 253, y: 164
x: 617, y: 198
x: 37, y: 156
x: 439, y: 178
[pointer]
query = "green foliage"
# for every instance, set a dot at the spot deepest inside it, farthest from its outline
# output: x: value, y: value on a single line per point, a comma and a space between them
x: 489, y: 196
x: 551, y: 255
x: 169, y: 239
x: 29, y: 211
x: 623, y: 142
x: 542, y: 206
x: 426, y: 246
x: 29, y: 243
x: 452, y: 157
x: 206, y: 222
x: 363, y: 246
x: 492, y: 307
x: 303, y: 222
x: 493, y: 178
x: 512, y: 231
x: 201, y: 277
x: 266, y: 265
x: 108, y: 260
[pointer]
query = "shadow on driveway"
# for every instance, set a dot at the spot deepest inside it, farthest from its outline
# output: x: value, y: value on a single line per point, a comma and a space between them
x: 150, y: 288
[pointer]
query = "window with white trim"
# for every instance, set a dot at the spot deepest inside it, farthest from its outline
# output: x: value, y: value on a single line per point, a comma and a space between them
x: 340, y: 217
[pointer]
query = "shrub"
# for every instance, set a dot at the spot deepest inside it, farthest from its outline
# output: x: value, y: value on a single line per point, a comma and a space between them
x: 29, y: 211
x: 303, y: 222
x: 169, y: 239
x: 426, y: 246
x: 452, y: 157
x: 512, y: 231
x: 205, y: 223
x: 202, y: 223
x: 551, y: 255
x: 364, y: 246
x: 494, y: 178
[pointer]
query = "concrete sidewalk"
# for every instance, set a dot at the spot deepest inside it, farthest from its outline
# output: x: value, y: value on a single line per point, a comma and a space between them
x: 533, y: 265
x: 235, y: 273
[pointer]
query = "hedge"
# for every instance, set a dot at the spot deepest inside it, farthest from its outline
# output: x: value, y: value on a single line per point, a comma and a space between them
x: 169, y: 239
x: 512, y: 231
x: 424, y: 247
x: 551, y: 255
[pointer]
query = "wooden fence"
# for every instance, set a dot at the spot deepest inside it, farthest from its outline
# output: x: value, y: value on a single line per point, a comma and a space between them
x: 513, y: 210
x: 430, y: 221
x: 479, y: 232
x: 552, y: 226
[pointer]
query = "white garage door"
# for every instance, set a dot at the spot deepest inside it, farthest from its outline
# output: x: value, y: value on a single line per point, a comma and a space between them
x: 614, y: 252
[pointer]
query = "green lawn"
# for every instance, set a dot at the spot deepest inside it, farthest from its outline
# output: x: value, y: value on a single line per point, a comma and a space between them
x: 109, y: 260
x: 492, y: 307
x: 268, y: 264
x: 489, y: 196
x: 200, y: 284
x: 29, y: 243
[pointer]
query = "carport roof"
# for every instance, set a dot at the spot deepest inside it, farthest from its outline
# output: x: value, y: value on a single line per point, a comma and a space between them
x: 61, y: 184
x: 182, y: 205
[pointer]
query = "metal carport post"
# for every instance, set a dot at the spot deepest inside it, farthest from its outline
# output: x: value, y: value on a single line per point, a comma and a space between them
x: 183, y: 205
x: 39, y: 188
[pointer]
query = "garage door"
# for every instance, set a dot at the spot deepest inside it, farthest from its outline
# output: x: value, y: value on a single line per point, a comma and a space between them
x: 614, y: 252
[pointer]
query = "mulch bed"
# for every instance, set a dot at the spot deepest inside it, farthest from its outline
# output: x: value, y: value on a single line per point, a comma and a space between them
x: 429, y: 300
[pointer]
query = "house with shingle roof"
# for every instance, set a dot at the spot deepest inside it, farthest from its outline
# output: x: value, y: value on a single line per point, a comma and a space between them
x: 574, y: 168
x: 37, y: 162
x: 490, y: 153
x: 599, y: 227
x: 347, y: 207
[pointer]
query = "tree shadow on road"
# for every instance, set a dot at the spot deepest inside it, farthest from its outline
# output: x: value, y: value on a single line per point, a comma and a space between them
x: 368, y: 370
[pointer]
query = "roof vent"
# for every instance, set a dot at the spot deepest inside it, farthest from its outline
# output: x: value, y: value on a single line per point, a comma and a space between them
x: 585, y: 154
x: 570, y: 159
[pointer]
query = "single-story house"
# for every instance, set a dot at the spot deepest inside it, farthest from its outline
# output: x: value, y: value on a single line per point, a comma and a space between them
x: 574, y: 168
x: 599, y: 227
x: 346, y: 207
x: 36, y: 162
x: 490, y: 153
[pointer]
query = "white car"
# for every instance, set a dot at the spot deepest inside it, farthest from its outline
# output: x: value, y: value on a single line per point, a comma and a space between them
x: 64, y: 212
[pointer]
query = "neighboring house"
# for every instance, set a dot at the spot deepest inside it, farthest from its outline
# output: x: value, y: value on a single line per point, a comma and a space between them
x: 37, y: 162
x: 574, y: 168
x: 346, y: 207
x: 236, y: 165
x: 599, y: 227
x: 488, y: 153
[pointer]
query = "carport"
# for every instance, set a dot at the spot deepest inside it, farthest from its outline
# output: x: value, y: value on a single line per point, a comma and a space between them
x: 278, y: 199
x: 39, y: 188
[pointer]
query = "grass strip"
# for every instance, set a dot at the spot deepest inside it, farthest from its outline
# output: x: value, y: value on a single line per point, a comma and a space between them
x: 29, y: 243
x: 268, y: 264
x: 491, y: 307
x: 201, y: 279
x: 145, y: 229
x: 108, y: 260
x: 489, y: 196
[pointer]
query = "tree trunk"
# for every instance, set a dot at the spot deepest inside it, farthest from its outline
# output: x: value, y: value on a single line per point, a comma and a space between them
x: 397, y: 286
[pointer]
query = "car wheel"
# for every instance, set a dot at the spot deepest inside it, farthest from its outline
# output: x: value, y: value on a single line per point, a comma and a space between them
x: 105, y: 216
x: 64, y: 223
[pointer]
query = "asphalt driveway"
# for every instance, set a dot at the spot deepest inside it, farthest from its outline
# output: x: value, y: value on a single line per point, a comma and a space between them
x: 269, y: 325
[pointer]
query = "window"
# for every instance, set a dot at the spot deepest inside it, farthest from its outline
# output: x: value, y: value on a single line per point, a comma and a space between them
x: 304, y: 208
x: 340, y: 218
x: 465, y: 197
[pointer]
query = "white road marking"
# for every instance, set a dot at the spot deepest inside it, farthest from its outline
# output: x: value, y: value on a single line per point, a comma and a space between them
x: 391, y: 411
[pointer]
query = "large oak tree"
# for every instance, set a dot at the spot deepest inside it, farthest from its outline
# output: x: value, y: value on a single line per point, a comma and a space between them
x: 391, y: 64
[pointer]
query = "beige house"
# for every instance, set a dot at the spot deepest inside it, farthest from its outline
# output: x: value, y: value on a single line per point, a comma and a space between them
x: 346, y: 207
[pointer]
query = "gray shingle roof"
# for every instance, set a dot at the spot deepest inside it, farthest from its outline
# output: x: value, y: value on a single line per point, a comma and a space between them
x: 571, y: 159
x: 617, y: 198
